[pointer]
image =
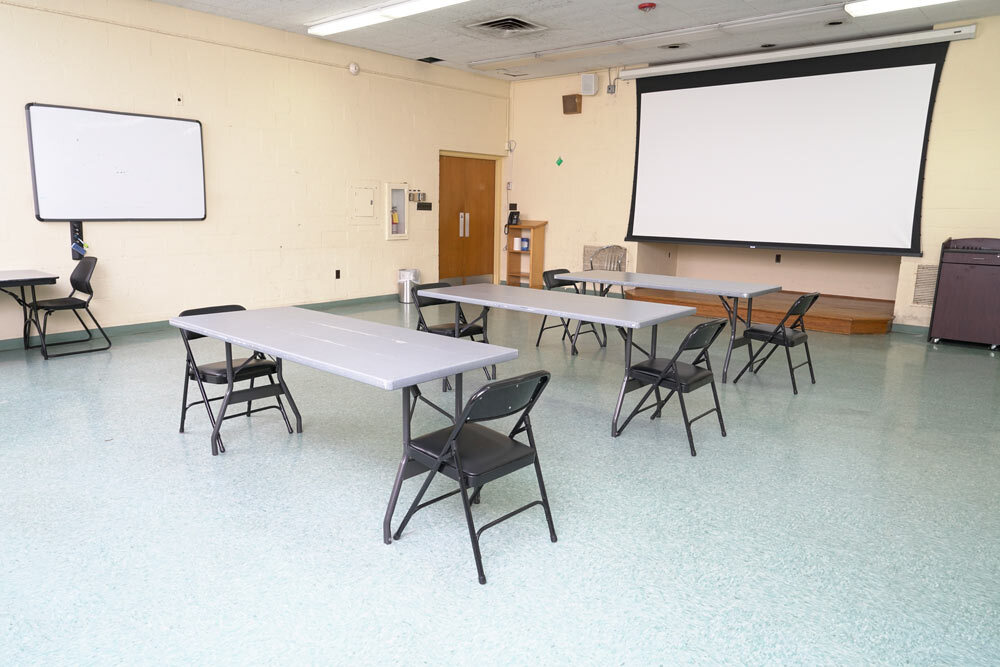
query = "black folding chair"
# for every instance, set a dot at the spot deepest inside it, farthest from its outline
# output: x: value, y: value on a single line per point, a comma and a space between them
x: 80, y: 281
x: 474, y: 455
x: 249, y: 368
x: 465, y: 328
x: 551, y: 282
x: 783, y: 335
x: 679, y: 377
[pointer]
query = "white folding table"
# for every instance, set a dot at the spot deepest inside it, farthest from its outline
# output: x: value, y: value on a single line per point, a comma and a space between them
x: 381, y: 355
x: 724, y: 289
x: 21, y: 279
x: 626, y: 315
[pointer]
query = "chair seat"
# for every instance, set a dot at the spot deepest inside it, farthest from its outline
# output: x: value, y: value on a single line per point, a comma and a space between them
x: 63, y: 303
x: 215, y: 373
x: 449, y: 330
x: 684, y: 378
x: 764, y: 332
x: 486, y: 454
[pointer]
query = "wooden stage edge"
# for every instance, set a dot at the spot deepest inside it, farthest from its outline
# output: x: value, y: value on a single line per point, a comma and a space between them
x: 831, y: 313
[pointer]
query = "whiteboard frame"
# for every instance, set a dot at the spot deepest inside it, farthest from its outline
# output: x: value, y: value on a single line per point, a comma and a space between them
x: 34, y: 184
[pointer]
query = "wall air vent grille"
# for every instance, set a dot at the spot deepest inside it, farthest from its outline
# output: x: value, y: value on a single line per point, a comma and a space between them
x: 506, y: 26
x: 923, y: 288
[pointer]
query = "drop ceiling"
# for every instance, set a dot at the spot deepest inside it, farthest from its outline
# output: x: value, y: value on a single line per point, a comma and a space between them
x: 582, y: 35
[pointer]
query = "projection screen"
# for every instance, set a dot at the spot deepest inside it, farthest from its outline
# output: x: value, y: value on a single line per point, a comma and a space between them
x: 826, y: 153
x: 88, y: 164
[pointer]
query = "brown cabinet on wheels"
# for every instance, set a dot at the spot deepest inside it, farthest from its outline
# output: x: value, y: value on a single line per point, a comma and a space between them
x: 967, y: 296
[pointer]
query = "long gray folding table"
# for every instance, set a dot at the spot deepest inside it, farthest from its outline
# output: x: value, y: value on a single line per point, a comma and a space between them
x: 21, y: 279
x: 627, y: 316
x: 381, y: 355
x: 724, y: 289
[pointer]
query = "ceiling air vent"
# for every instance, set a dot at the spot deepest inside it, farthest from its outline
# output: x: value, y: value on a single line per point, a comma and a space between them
x: 506, y: 26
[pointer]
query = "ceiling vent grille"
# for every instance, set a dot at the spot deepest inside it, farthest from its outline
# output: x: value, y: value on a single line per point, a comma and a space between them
x: 506, y: 26
x: 926, y: 282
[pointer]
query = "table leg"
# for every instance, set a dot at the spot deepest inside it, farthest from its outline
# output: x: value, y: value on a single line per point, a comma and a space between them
x: 408, y: 468
x: 400, y: 472
x: 216, y: 444
x: 27, y: 318
x: 733, y: 322
x: 621, y: 394
x: 747, y: 322
x: 288, y: 395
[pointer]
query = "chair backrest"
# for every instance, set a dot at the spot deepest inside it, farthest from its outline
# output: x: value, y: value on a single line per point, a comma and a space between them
x: 422, y: 301
x: 798, y: 309
x: 190, y: 335
x: 505, y: 397
x: 703, y: 335
x: 700, y: 338
x: 549, y: 278
x: 608, y: 258
x: 80, y: 278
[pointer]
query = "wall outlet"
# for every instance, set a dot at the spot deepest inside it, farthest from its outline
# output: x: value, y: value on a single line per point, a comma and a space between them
x: 336, y: 275
x: 777, y: 258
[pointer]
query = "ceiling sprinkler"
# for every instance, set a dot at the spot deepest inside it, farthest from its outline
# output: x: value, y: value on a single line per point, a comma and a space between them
x: 647, y: 7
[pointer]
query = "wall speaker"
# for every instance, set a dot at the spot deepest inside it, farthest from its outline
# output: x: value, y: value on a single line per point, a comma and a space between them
x: 588, y: 84
x: 572, y: 103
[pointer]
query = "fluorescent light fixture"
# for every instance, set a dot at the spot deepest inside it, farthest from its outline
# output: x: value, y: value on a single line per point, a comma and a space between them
x: 378, y: 14
x: 869, y: 7
x: 832, y: 49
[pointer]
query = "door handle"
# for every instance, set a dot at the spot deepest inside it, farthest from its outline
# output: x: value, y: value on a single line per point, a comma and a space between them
x: 468, y: 221
x: 461, y: 225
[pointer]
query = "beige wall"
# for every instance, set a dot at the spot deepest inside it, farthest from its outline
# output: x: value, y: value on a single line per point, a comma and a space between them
x: 962, y: 179
x: 587, y: 199
x: 287, y: 131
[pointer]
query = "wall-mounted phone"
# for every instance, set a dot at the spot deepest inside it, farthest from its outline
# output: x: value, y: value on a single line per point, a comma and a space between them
x: 512, y: 219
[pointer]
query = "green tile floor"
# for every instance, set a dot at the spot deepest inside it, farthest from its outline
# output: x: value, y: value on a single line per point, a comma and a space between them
x: 855, y: 523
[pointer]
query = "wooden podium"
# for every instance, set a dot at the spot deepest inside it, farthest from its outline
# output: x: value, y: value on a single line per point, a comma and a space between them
x: 524, y: 267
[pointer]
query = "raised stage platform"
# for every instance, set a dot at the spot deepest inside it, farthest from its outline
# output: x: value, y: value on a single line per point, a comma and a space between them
x: 833, y: 314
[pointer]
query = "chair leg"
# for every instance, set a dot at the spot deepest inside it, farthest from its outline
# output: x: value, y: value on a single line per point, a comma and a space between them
x: 184, y: 396
x: 90, y: 334
x: 660, y: 404
x: 541, y: 331
x: 718, y: 409
x: 472, y: 528
x: 687, y: 424
x: 545, y: 500
x: 41, y: 334
x: 809, y: 359
x: 774, y: 348
x: 99, y: 328
x: 791, y: 369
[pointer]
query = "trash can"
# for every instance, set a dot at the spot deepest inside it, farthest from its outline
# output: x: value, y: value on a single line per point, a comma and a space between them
x: 407, y: 277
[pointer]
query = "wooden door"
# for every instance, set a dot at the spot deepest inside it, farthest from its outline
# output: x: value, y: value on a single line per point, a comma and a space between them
x: 466, y: 222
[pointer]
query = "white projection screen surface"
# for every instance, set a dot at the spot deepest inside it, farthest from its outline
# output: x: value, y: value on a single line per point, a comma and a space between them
x: 102, y: 165
x: 830, y: 160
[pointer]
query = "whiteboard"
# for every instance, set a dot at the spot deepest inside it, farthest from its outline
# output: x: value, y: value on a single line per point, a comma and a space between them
x: 103, y: 165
